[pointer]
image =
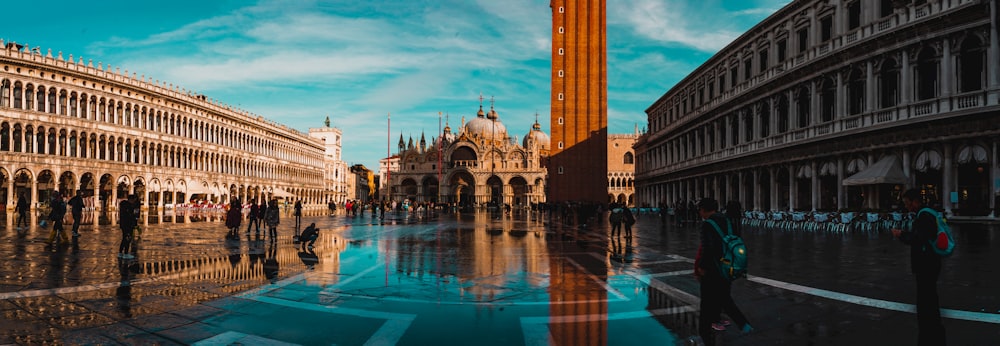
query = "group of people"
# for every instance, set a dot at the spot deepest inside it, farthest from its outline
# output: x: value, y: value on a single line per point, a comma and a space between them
x: 267, y: 213
x: 716, y: 289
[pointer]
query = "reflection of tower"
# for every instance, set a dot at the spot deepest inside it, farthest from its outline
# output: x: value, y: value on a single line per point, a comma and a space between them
x: 573, y: 278
x: 579, y: 106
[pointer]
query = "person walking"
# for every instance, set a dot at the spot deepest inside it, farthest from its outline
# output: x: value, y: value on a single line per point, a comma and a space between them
x: 22, y: 211
x: 616, y: 220
x: 252, y: 216
x: 76, y: 203
x: 56, y: 216
x: 127, y: 220
x: 298, y: 216
x: 926, y: 267
x: 261, y: 213
x: 234, y: 217
x: 272, y: 219
x: 716, y: 291
x: 628, y: 219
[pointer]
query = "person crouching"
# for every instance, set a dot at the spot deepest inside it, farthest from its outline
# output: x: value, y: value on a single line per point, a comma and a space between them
x: 310, y: 234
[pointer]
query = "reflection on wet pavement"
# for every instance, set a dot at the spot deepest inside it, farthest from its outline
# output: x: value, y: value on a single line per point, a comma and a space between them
x: 447, y: 279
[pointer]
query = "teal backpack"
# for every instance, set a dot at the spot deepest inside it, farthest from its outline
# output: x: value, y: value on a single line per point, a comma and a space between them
x: 943, y: 243
x: 733, y: 263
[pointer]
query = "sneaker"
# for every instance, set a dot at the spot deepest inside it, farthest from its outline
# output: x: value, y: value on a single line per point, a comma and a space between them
x: 76, y: 234
x: 725, y: 322
x: 718, y: 326
x: 121, y: 255
x: 127, y: 256
x: 747, y: 329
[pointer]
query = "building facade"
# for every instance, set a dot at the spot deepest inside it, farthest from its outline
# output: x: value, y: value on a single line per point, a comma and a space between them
x: 71, y: 126
x: 480, y: 165
x: 385, y: 168
x: 579, y: 101
x: 335, y: 171
x: 839, y: 104
x: 621, y: 168
x: 362, y: 184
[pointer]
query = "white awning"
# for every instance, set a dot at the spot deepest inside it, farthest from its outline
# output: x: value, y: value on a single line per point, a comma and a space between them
x: 279, y: 192
x: 196, y: 189
x: 885, y: 171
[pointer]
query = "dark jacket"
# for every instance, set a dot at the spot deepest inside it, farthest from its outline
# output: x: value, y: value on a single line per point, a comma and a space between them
x: 711, y: 245
x: 254, y: 210
x: 22, y: 205
x: 77, y: 204
x: 308, y: 232
x: 126, y: 216
x: 58, y: 210
x: 923, y: 259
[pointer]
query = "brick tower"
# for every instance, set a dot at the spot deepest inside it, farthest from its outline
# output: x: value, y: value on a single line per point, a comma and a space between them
x: 578, y: 164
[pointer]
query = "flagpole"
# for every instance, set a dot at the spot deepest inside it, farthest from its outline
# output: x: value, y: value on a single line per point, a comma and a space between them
x: 388, y: 156
x: 440, y: 145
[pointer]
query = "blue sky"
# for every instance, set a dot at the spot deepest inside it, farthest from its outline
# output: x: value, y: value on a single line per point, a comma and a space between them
x: 298, y: 61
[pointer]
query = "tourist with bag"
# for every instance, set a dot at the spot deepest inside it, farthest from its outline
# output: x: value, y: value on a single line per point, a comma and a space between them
x: 127, y: 220
x: 56, y: 216
x: 925, y: 263
x: 716, y: 289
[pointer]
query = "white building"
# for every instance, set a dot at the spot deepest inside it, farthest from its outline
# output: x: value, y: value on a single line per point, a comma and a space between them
x: 335, y: 172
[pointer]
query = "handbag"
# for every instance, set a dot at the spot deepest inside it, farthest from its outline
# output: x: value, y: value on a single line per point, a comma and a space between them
x: 43, y: 223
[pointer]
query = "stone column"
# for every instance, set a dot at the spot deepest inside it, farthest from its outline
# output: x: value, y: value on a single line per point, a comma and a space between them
x: 869, y: 86
x: 948, y: 177
x: 791, y: 188
x: 905, y: 77
x: 993, y: 54
x: 814, y: 185
x: 994, y: 175
x: 742, y: 191
x: 840, y: 183
x: 773, y: 191
x: 946, y: 71
x: 906, y: 169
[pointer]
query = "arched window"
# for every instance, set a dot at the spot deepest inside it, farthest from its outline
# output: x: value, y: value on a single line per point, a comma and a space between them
x: 765, y: 118
x: 927, y: 74
x: 802, y: 103
x: 782, y: 108
x: 970, y: 65
x: 889, y: 87
x: 828, y: 99
x: 856, y: 91
x: 629, y: 158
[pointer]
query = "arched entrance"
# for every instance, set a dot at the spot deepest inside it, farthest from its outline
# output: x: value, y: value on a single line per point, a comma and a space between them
x: 67, y: 184
x: 496, y: 190
x: 828, y: 186
x: 122, y: 188
x: 409, y: 189
x: 803, y: 188
x: 463, y: 189
x: 22, y: 184
x: 519, y: 186
x: 928, y: 174
x: 973, y: 181
x: 4, y: 186
x: 107, y: 187
x: 46, y: 185
x: 139, y: 189
x: 430, y: 186
x: 855, y: 193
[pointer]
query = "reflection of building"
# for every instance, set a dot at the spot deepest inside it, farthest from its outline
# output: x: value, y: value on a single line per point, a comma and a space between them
x: 579, y: 102
x: 70, y: 125
x: 621, y: 168
x: 363, y: 183
x: 902, y: 93
x: 480, y: 164
x: 335, y: 171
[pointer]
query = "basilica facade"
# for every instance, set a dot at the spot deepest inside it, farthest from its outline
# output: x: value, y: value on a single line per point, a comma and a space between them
x: 480, y: 165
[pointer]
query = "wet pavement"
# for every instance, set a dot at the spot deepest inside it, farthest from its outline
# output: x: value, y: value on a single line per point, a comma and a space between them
x: 460, y: 279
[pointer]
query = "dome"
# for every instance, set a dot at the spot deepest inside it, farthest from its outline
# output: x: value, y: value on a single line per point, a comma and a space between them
x: 486, y: 126
x: 538, y: 136
x: 480, y: 127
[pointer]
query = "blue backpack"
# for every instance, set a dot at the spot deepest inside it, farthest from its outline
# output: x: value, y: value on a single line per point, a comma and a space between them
x: 733, y: 263
x: 943, y: 243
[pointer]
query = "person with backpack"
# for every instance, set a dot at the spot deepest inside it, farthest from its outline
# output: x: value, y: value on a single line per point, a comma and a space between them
x: 272, y: 218
x: 628, y: 219
x: 716, y: 289
x: 925, y: 264
x: 76, y: 205
x: 252, y: 216
x: 56, y: 217
x: 616, y: 220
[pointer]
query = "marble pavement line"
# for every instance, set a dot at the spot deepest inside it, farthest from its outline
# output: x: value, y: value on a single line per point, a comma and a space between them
x: 843, y: 297
x: 389, y: 333
x: 536, y: 329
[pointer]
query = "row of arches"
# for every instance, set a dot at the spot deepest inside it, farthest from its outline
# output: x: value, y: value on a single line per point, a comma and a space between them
x: 956, y: 176
x: 888, y: 81
x: 218, y: 130
x: 464, y: 189
x: 39, y: 139
x: 104, y: 190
